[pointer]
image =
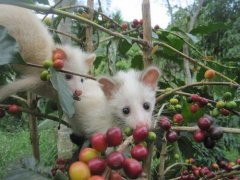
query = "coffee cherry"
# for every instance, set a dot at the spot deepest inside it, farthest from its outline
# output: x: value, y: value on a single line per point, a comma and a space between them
x: 114, y: 136
x: 79, y: 170
x: 215, y: 166
x: 216, y: 133
x: 209, y: 142
x: 124, y: 26
x: 115, y: 176
x: 97, y: 166
x: 209, y: 74
x: 139, y: 152
x: 231, y: 104
x: 224, y: 112
x: 171, y: 136
x: 215, y: 112
x: 151, y: 136
x: 47, y: 64
x: 220, y: 104
x: 199, y: 135
x: 194, y: 108
x: 132, y: 168
x: 202, y: 102
x: 87, y: 154
x: 115, y: 160
x: 140, y: 133
x: 44, y: 75
x: 58, y: 64
x: 173, y: 101
x: 204, y: 123
x: 156, y: 27
x: 58, y: 54
x: 128, y: 131
x: 178, y: 108
x: 2, y: 113
x: 99, y: 142
x: 178, y: 119
x: 164, y: 123
x: 135, y: 22
x: 14, y: 109
x: 195, y: 97
x: 210, y: 174
x: 227, y: 96
x: 96, y: 178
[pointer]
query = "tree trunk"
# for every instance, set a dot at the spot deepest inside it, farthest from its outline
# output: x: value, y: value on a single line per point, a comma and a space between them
x: 188, y: 76
x: 147, y: 33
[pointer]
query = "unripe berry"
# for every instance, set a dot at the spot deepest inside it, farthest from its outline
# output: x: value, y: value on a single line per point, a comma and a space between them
x: 209, y: 74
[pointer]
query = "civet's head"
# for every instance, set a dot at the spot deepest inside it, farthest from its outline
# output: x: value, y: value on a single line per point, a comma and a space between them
x: 76, y: 61
x: 131, y: 95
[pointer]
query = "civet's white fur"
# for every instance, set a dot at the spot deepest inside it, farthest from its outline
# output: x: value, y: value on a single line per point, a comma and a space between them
x: 102, y: 102
x: 36, y: 45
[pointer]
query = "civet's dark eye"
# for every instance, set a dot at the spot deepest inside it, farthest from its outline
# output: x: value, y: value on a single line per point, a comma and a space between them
x: 126, y: 110
x: 82, y: 80
x: 68, y: 76
x: 146, y: 105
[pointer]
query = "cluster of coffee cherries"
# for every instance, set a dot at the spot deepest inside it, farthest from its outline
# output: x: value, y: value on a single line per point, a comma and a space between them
x: 57, y: 63
x: 11, y: 109
x: 224, y: 106
x: 197, y: 102
x: 203, y: 172
x: 165, y: 124
x: 174, y: 105
x: 61, y: 165
x: 93, y: 161
x: 136, y: 23
x: 207, y: 133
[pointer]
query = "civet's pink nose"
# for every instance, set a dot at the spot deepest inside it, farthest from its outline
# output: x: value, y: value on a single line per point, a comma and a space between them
x: 77, y: 93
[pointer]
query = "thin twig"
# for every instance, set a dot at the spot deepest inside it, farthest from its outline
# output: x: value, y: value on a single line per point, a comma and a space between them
x: 63, y: 71
x: 162, y: 158
x: 194, y: 61
x: 35, y: 113
x: 87, y: 8
x: 159, y: 98
x: 192, y: 129
x: 45, y: 9
x: 66, y: 34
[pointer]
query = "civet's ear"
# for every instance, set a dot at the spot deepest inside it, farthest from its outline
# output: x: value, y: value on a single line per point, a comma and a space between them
x: 108, y: 86
x: 150, y: 77
x: 90, y: 59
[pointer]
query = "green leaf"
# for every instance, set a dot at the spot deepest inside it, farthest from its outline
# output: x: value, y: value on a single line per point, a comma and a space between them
x: 47, y: 124
x: 124, y: 46
x: 9, y: 48
x: 64, y: 93
x: 50, y: 107
x: 98, y: 61
x: 210, y: 28
x: 194, y: 39
x: 175, y: 42
x: 137, y: 62
x: 42, y: 1
x: 128, y: 39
